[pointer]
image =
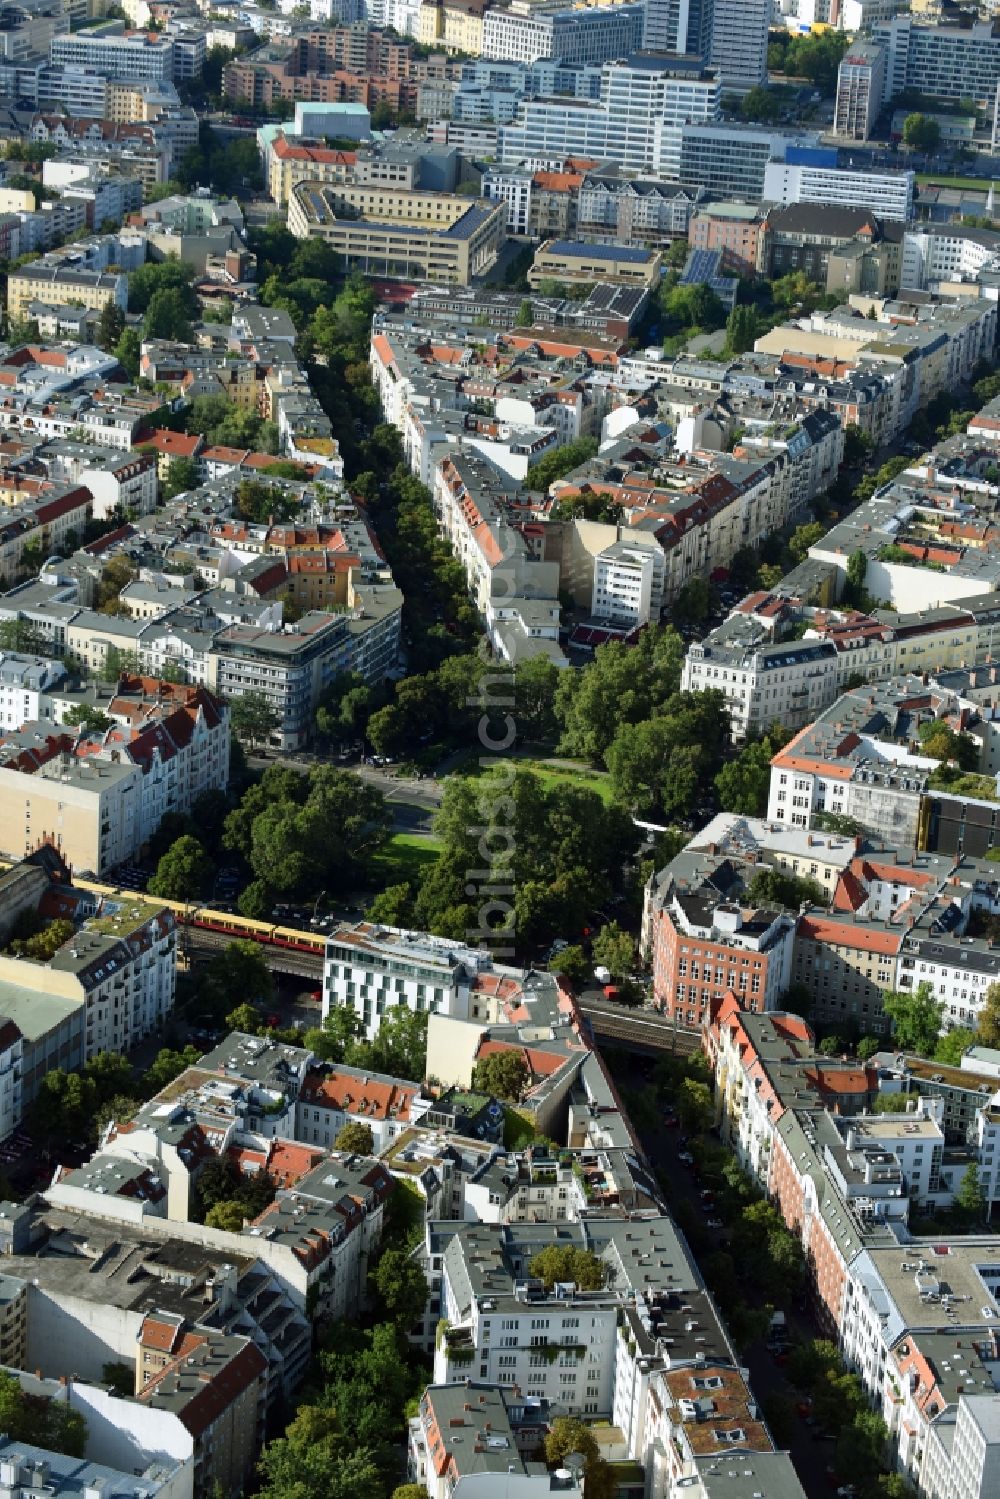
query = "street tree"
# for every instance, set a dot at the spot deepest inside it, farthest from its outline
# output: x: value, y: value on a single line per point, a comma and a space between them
x: 921, y: 133
x: 761, y: 106
x: 694, y: 1106
x: 614, y: 949
x: 184, y: 872
x: 861, y: 1447
x: 237, y: 975
x: 246, y: 1020
x: 693, y: 603
x: 321, y: 1456
x: 252, y: 717
x: 393, y: 906
x: 743, y: 783
x: 573, y: 964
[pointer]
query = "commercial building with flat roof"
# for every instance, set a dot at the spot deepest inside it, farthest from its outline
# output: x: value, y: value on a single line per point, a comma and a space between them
x: 524, y: 32
x: 115, y: 53
x: 573, y: 260
x: 389, y: 232
x: 807, y: 176
x: 949, y: 62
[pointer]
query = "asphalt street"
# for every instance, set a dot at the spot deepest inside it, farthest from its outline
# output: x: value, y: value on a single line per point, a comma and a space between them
x: 413, y: 801
x: 812, y: 1457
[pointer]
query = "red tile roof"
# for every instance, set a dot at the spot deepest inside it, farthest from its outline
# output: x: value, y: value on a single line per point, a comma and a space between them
x: 288, y: 1163
x: 368, y: 1097
x: 160, y: 1333
x: 175, y: 444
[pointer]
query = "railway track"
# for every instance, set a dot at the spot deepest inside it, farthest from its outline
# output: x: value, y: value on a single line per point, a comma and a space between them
x: 639, y: 1028
x: 280, y: 959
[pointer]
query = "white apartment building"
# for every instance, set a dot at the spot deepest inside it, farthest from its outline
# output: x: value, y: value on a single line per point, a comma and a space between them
x: 371, y: 969
x: 985, y: 1139
x: 644, y: 102
x: 952, y: 62
x: 801, y: 785
x: 887, y: 194
x: 963, y: 1462
x: 556, y: 1347
x: 919, y: 1328
x: 959, y: 973
x: 914, y: 1140
x: 588, y: 1353
x: 514, y: 189
x: 12, y: 1096
x: 517, y: 596
x: 119, y: 481
x: 25, y: 684
x: 292, y: 666
x: 763, y: 684
x: 933, y: 253
x: 625, y: 580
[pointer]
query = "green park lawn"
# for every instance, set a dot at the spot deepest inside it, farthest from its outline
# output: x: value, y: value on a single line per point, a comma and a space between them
x: 566, y: 774
x: 941, y: 179
x: 405, y: 857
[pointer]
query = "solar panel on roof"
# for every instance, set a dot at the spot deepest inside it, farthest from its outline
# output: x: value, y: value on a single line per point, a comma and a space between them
x: 579, y: 249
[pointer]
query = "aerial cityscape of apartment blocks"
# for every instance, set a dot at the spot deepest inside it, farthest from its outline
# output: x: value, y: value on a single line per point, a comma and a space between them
x: 499, y: 749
